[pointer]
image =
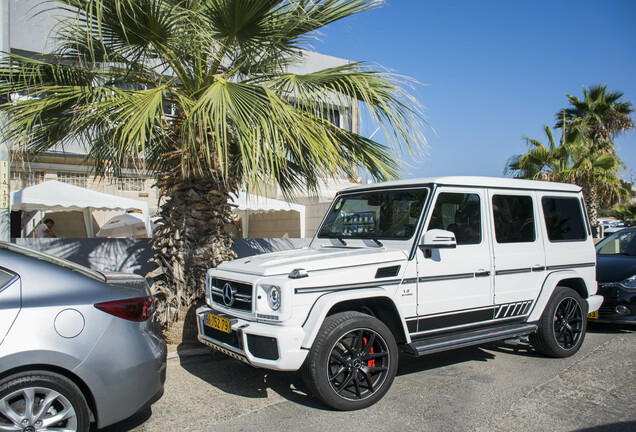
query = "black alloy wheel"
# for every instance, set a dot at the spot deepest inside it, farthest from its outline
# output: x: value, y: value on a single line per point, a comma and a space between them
x: 568, y: 323
x: 358, y: 364
x: 352, y: 362
x: 563, y: 324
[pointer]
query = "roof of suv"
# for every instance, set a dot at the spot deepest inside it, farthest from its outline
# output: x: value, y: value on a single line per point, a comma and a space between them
x: 474, y: 181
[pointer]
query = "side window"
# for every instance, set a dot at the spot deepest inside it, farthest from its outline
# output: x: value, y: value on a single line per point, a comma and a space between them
x: 514, y: 219
x: 459, y: 213
x: 5, y: 278
x: 564, y: 219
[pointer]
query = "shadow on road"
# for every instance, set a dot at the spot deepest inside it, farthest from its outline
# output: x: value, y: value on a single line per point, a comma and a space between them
x: 128, y: 424
x: 629, y: 426
x: 609, y: 328
x: 234, y: 377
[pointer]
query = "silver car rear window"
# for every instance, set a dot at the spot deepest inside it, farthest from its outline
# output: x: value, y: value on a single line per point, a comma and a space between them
x: 5, y: 278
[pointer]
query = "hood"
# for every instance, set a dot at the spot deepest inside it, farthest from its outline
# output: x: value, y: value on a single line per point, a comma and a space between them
x: 282, y: 263
x: 614, y: 268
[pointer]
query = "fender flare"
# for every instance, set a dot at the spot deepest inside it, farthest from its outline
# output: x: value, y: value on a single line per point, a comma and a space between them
x: 547, y: 289
x: 323, y: 305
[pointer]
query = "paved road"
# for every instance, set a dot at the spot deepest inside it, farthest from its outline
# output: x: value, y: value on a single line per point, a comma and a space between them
x: 495, y: 387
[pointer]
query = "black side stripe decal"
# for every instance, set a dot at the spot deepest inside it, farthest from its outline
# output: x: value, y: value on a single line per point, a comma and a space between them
x: 447, y: 277
x: 333, y: 288
x: 497, y: 312
x: 569, y: 266
x: 512, y: 271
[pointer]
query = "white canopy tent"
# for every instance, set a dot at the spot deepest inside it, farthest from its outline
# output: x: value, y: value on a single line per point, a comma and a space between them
x: 251, y: 204
x: 58, y: 196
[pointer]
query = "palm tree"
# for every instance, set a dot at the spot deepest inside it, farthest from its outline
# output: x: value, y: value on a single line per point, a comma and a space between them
x: 625, y: 211
x: 595, y: 168
x: 540, y: 162
x: 603, y: 113
x: 196, y: 91
x: 576, y: 161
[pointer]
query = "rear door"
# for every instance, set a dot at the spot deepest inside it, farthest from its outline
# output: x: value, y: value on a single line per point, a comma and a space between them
x: 520, y: 267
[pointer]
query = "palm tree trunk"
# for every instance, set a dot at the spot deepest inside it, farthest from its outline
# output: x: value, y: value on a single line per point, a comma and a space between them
x: 592, y: 202
x: 192, y: 239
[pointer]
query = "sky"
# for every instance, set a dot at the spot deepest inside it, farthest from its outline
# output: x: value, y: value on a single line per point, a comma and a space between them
x: 492, y: 72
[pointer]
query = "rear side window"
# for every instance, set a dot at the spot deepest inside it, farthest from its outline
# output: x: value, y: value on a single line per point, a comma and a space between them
x: 5, y: 278
x: 459, y: 213
x: 563, y: 219
x: 514, y: 219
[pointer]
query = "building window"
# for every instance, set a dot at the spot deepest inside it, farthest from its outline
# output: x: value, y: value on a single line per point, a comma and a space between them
x: 29, y: 178
x: 130, y: 184
x: 74, y: 178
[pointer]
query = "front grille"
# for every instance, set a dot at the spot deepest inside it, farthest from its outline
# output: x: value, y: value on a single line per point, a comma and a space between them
x: 227, y: 338
x: 242, y: 298
x: 263, y: 347
x: 607, y: 308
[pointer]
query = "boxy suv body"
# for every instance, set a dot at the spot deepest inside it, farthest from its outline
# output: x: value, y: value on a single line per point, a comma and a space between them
x: 426, y: 265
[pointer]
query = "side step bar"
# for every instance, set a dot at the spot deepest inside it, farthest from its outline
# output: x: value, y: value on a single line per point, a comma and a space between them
x: 472, y: 337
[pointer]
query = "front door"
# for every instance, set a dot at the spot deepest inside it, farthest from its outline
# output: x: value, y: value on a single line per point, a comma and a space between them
x: 455, y: 285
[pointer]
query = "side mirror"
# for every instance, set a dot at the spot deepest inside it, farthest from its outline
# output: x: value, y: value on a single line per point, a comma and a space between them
x: 438, y: 239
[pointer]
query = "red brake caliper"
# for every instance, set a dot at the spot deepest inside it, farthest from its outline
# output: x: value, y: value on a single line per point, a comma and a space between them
x: 370, y: 363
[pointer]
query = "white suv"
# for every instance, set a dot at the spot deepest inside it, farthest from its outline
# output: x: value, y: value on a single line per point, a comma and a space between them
x: 425, y: 265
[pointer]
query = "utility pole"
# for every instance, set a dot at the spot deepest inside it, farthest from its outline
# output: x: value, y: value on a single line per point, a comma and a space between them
x: 5, y: 161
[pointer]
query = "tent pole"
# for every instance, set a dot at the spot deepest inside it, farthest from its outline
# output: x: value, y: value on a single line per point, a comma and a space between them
x: 245, y: 221
x: 302, y: 223
x: 88, y: 221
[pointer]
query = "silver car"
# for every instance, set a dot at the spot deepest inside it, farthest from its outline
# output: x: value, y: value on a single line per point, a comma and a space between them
x: 76, y: 345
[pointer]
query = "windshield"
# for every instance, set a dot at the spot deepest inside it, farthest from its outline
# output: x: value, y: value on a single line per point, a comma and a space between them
x: 376, y: 215
x: 620, y: 243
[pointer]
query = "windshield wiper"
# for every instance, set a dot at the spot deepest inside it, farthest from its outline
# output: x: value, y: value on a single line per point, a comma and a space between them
x: 333, y: 235
x: 372, y: 237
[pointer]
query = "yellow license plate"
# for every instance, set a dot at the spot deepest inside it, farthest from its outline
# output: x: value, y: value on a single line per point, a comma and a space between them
x: 593, y: 315
x: 217, y: 322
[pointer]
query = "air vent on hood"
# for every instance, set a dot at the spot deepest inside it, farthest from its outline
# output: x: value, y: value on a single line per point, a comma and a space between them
x: 387, y: 272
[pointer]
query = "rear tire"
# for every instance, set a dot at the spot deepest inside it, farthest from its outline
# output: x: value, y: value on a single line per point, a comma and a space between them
x: 42, y: 400
x: 352, y: 362
x: 563, y: 324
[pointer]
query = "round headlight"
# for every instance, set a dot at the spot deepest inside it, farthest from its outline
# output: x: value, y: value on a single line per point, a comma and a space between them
x: 273, y: 297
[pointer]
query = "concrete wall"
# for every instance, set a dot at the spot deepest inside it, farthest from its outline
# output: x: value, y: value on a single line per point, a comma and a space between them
x: 314, y: 214
x: 280, y: 224
x: 132, y: 255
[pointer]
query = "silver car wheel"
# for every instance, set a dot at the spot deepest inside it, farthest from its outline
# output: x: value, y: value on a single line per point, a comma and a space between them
x: 34, y: 409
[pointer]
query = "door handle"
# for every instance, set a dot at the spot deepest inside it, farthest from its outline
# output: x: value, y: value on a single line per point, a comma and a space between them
x: 538, y: 268
x: 482, y: 273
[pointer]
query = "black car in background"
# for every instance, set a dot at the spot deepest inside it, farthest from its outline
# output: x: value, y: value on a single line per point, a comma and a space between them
x: 616, y: 276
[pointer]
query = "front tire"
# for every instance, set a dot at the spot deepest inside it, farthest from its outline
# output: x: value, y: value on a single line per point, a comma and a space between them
x: 42, y: 401
x: 352, y: 362
x: 563, y: 324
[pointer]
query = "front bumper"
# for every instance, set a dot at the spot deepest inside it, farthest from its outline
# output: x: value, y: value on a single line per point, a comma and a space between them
x: 261, y: 345
x: 619, y: 304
